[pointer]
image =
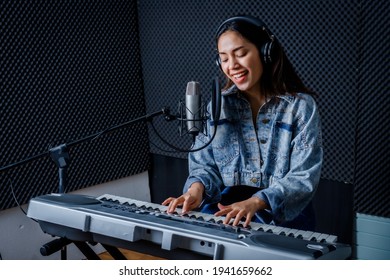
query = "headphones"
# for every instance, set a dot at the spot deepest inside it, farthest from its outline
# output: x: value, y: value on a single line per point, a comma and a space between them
x: 268, y: 49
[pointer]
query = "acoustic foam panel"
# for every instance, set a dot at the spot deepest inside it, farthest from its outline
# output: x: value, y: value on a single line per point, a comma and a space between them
x: 69, y: 69
x: 372, y: 161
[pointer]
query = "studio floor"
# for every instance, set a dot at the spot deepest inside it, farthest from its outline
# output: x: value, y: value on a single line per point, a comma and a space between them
x: 130, y: 255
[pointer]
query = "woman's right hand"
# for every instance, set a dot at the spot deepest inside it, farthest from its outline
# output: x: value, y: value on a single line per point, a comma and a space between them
x: 189, y: 200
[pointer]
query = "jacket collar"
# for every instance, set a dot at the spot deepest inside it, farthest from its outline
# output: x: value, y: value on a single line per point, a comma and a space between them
x: 234, y: 90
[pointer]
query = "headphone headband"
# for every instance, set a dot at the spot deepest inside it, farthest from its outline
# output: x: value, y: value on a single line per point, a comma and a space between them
x: 249, y: 19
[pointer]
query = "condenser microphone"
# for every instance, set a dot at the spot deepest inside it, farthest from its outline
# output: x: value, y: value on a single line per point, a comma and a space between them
x: 193, y: 107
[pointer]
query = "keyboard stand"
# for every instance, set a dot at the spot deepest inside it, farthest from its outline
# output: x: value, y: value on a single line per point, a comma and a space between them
x: 114, y: 252
x: 60, y: 244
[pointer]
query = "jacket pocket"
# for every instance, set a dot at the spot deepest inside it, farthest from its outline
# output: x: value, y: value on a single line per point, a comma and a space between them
x: 281, y: 148
x: 225, y: 144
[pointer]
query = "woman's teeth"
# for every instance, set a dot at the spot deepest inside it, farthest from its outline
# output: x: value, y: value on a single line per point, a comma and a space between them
x: 238, y: 75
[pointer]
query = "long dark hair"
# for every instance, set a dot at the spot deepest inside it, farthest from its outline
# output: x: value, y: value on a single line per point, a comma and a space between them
x: 279, y: 77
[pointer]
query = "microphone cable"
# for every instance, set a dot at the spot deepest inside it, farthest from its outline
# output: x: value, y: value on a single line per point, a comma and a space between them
x: 15, y: 198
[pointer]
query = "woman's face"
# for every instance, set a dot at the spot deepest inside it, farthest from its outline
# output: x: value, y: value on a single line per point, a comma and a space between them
x: 240, y: 61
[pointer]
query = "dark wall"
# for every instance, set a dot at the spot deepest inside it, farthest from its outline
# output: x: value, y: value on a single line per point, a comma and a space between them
x: 69, y: 69
x: 372, y: 123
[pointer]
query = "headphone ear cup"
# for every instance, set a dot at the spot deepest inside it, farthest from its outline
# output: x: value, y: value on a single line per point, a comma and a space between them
x: 218, y: 62
x: 267, y: 52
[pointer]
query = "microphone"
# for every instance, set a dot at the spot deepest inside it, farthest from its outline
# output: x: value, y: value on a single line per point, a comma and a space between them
x: 193, y: 116
x: 192, y: 112
x: 193, y: 108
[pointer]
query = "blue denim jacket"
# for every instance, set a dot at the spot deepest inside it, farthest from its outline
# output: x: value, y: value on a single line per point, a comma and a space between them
x: 281, y: 156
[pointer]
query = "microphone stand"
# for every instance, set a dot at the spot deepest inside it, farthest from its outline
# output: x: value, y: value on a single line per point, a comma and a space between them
x: 60, y: 156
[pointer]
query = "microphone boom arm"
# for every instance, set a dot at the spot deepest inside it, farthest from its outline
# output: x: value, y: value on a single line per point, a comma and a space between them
x: 60, y: 154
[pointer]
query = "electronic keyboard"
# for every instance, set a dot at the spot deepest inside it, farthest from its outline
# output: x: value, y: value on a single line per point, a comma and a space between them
x: 120, y: 221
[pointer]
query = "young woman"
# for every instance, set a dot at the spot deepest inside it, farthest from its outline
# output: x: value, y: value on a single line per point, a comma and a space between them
x: 264, y: 163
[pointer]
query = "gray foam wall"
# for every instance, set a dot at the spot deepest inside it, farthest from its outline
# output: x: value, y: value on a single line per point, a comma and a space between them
x: 69, y: 69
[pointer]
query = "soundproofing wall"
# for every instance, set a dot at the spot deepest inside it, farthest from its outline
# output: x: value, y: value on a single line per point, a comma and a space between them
x: 339, y: 48
x: 69, y: 69
x: 372, y: 161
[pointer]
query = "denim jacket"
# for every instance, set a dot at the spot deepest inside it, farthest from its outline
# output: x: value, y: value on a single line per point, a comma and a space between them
x: 281, y: 156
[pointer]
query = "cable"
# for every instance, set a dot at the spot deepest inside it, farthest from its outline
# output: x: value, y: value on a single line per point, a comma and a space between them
x: 180, y: 149
x: 14, y: 196
x: 16, y: 200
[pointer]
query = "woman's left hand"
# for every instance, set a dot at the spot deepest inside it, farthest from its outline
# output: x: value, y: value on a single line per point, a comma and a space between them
x: 243, y: 209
